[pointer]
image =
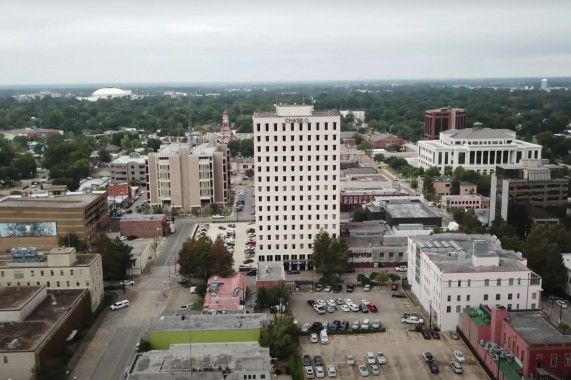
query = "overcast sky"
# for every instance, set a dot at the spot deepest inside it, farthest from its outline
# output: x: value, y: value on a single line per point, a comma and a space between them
x: 158, y: 41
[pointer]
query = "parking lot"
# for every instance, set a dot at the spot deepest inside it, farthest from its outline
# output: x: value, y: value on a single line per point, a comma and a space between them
x: 401, y: 345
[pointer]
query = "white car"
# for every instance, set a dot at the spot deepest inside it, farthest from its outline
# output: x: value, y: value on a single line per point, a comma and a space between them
x: 348, y: 301
x: 305, y: 327
x: 331, y: 302
x: 345, y: 308
x: 375, y: 369
x: 401, y: 269
x: 313, y: 338
x: 562, y: 304
x: 218, y: 216
x: 321, y: 302
x: 319, y: 372
x: 309, y: 374
x: 340, y: 301
x: 354, y: 307
x: 370, y: 358
x: 327, y: 288
x: 331, y: 371
x: 365, y: 302
x: 363, y: 370
x: 381, y: 358
x: 459, y: 356
x: 350, y: 359
x: 127, y: 283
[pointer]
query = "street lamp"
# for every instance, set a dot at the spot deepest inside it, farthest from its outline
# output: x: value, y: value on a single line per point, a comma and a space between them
x: 243, y: 300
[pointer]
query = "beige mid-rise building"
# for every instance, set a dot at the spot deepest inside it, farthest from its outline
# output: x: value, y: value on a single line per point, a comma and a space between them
x: 60, y: 268
x: 131, y: 169
x: 188, y: 177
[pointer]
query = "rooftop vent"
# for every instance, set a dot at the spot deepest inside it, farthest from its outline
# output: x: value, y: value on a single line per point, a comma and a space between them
x: 13, y: 344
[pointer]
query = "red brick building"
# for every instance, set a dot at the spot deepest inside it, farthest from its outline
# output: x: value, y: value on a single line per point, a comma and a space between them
x: 443, y: 119
x: 144, y: 226
x: 522, y: 343
x: 349, y: 142
x: 118, y: 190
x: 385, y: 139
x: 351, y: 200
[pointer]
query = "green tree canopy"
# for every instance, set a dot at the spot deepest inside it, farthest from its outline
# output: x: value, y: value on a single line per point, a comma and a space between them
x: 330, y: 256
x: 360, y: 215
x: 281, y: 335
x: 116, y: 256
x: 470, y: 223
x: 203, y: 258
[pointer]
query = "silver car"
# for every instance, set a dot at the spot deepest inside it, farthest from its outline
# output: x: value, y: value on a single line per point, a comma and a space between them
x: 363, y: 370
x: 456, y: 367
x: 350, y: 359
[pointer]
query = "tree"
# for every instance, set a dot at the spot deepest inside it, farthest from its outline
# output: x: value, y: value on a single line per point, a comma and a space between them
x: 247, y: 147
x: 455, y: 187
x: 448, y: 171
x: 432, y: 172
x: 277, y: 292
x: 471, y: 224
x: 116, y: 256
x: 363, y: 280
x: 379, y: 277
x: 25, y: 164
x: 104, y: 155
x: 154, y: 144
x: 72, y: 240
x: 250, y: 173
x: 542, y: 249
x: 281, y: 335
x: 394, y: 277
x: 262, y: 297
x: 360, y: 215
x: 379, y: 157
x: 506, y: 233
x: 234, y: 147
x: 366, y: 147
x: 428, y: 187
x: 358, y: 138
x: 203, y: 258
x: 215, y: 209
x: 330, y: 256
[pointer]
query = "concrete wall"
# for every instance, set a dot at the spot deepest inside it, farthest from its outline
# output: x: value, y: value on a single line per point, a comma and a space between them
x: 19, y: 365
x: 163, y: 340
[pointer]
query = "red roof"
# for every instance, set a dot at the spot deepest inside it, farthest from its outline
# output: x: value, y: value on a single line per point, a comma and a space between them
x: 222, y: 293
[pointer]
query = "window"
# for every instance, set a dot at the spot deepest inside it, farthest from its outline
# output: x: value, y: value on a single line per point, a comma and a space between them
x: 469, y: 283
x: 567, y: 360
x: 499, y: 282
x: 458, y: 298
x: 449, y: 298
x: 510, y: 281
x: 553, y: 360
x: 486, y: 282
x: 449, y: 283
x: 497, y: 297
x: 459, y: 283
x: 458, y: 308
x: 533, y: 296
x: 468, y: 297
x: 448, y: 309
x: 485, y: 297
x: 5, y: 359
x: 509, y: 296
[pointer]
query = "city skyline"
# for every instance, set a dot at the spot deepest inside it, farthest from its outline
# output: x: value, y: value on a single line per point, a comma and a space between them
x: 223, y: 41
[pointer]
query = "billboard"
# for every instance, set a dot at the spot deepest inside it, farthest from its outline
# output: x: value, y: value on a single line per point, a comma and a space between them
x: 28, y: 229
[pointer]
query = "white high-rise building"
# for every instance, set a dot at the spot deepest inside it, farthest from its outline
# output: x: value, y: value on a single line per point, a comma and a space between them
x: 544, y: 84
x: 297, y: 153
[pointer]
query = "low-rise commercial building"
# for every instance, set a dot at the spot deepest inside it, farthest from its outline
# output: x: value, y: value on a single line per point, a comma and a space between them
x: 40, y: 222
x: 515, y: 343
x: 354, y: 199
x: 272, y: 273
x: 131, y: 169
x: 479, y: 149
x: 461, y: 201
x: 535, y: 182
x: 205, y: 328
x: 443, y: 186
x: 214, y: 361
x: 406, y: 211
x: 144, y: 225
x: 450, y: 272
x: 60, y: 268
x: 384, y: 140
x: 35, y: 323
x: 225, y: 293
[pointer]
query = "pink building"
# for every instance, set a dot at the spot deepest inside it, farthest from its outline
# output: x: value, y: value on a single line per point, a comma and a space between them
x: 225, y: 293
x: 469, y: 201
x: 524, y: 343
x: 226, y: 133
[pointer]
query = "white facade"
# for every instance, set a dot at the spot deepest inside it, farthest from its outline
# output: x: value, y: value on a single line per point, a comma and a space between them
x: 131, y: 169
x: 297, y: 155
x: 478, y: 149
x: 567, y: 262
x: 544, y: 84
x: 449, y: 272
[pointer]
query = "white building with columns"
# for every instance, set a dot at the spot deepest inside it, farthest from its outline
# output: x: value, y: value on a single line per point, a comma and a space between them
x: 297, y: 156
x: 478, y: 149
x: 449, y: 272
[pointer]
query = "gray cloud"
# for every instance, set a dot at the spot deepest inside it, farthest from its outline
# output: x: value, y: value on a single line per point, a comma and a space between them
x: 217, y: 41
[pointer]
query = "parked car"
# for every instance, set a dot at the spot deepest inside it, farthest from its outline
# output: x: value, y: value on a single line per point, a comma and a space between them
x: 349, y: 359
x: 398, y: 295
x: 375, y: 369
x: 350, y: 288
x: 306, y: 360
x: 401, y: 269
x: 292, y: 272
x: 318, y: 360
x: 456, y: 367
x: 337, y: 288
x: 313, y: 338
x: 377, y: 324
x: 319, y: 287
x: 218, y: 216
x: 305, y: 327
x: 435, y: 334
x: 459, y: 356
x: 425, y: 334
x: 370, y: 358
x: 331, y: 371
x: 185, y: 282
x: 345, y: 308
x: 363, y: 370
x: 454, y: 335
x: 311, y: 302
x: 433, y: 367
x: 319, y: 372
x: 127, y: 283
x: 381, y: 358
x: 309, y: 374
x: 372, y: 308
x: 248, y: 261
x: 427, y: 356
x: 119, y: 305
x: 327, y: 288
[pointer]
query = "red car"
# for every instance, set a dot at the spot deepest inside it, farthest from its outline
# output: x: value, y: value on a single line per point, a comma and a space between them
x: 251, y: 243
x: 372, y: 307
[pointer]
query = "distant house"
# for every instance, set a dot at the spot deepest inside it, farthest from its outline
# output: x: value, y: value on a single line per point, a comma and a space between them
x: 383, y: 140
x: 113, y: 149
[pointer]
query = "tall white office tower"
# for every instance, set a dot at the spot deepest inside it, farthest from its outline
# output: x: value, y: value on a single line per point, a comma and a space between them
x: 544, y: 84
x: 297, y: 158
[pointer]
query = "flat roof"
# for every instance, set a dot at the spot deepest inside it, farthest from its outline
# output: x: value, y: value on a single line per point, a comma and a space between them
x: 409, y: 210
x: 64, y: 201
x: 81, y: 259
x: 363, y: 242
x: 14, y: 298
x: 275, y: 271
x: 479, y: 133
x: 143, y: 217
x: 534, y: 328
x: 452, y: 253
x: 274, y: 114
x: 360, y: 170
x: 180, y: 358
x: 206, y: 322
x: 34, y: 329
x: 127, y: 159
